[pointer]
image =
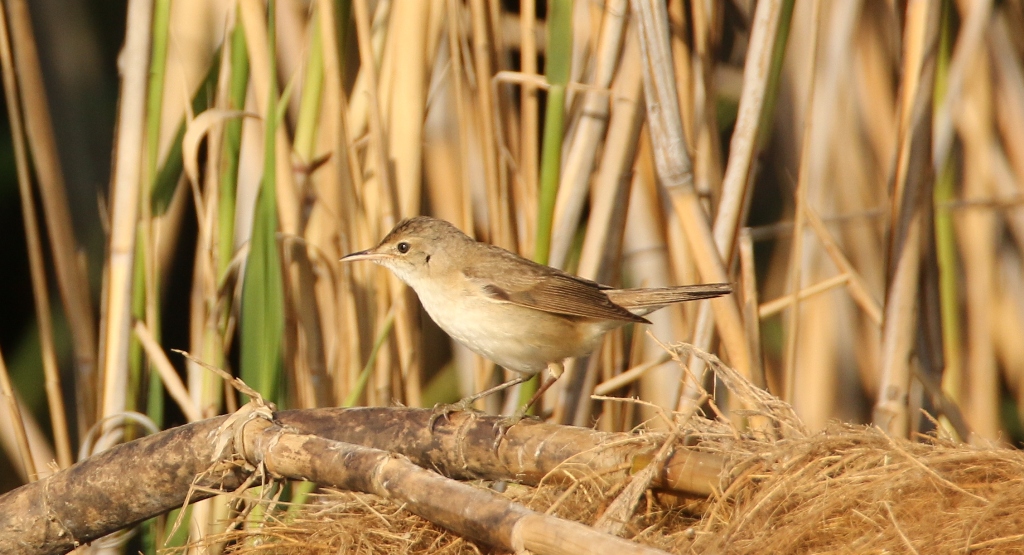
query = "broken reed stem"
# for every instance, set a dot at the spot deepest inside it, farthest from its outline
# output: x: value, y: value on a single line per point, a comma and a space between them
x: 771, y: 308
x: 168, y: 375
x: 79, y: 504
x: 469, y: 511
x: 462, y: 446
x: 92, y: 499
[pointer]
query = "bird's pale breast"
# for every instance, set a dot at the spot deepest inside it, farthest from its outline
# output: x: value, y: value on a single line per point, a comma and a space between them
x: 518, y: 338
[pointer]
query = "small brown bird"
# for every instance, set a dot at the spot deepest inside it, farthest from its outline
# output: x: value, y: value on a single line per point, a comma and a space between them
x: 522, y: 315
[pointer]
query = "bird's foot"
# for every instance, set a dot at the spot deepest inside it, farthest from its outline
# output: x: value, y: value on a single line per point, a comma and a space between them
x: 503, y: 424
x: 444, y: 409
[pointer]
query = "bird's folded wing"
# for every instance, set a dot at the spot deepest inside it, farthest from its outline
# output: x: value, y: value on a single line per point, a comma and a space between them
x: 554, y: 292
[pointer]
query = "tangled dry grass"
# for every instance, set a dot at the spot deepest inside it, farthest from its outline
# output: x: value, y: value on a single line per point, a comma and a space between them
x: 852, y: 489
x: 844, y: 489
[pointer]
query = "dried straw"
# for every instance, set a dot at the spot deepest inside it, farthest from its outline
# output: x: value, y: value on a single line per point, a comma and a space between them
x: 845, y: 489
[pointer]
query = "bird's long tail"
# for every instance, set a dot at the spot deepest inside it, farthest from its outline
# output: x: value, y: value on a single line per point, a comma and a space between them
x: 645, y: 301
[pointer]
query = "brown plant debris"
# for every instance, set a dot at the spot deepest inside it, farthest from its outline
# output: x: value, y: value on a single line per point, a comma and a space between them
x: 345, y: 522
x: 844, y: 489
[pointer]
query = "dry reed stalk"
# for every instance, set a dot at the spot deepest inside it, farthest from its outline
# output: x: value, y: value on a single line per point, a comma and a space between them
x: 1010, y: 323
x: 977, y: 231
x: 309, y: 350
x: 408, y: 95
x: 446, y: 146
x: 210, y: 321
x: 253, y: 20
x: 462, y: 107
x: 506, y: 125
x: 38, y: 441
x: 796, y: 251
x: 339, y: 203
x: 828, y: 133
x: 358, y: 109
x: 17, y: 424
x: 686, y: 75
x: 751, y: 315
x: 625, y: 378
x: 126, y: 188
x: 610, y: 187
x: 381, y: 183
x: 874, y: 106
x: 1009, y: 88
x: 589, y: 129
x: 702, y: 109
x: 675, y: 172
x: 771, y: 308
x: 644, y: 259
x: 71, y: 281
x: 867, y: 114
x: 529, y: 114
x: 976, y: 16
x: 406, y: 114
x: 858, y: 288
x: 292, y: 20
x: 912, y: 179
x: 497, y: 216
x: 736, y: 183
x: 40, y: 291
x: 159, y: 362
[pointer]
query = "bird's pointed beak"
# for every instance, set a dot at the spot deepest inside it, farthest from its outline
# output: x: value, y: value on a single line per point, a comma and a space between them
x: 368, y: 254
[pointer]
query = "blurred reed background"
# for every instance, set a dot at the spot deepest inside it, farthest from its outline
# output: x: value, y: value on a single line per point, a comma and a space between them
x: 853, y: 167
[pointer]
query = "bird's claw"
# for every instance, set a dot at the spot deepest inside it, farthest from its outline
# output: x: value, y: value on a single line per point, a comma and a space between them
x: 444, y: 409
x: 503, y: 424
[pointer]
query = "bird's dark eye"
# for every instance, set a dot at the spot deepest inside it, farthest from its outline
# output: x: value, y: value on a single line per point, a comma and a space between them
x: 402, y: 247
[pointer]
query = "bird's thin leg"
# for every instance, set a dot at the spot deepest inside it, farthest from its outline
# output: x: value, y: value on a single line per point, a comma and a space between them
x: 540, y: 393
x: 465, y: 404
x: 468, y: 401
x: 504, y: 424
